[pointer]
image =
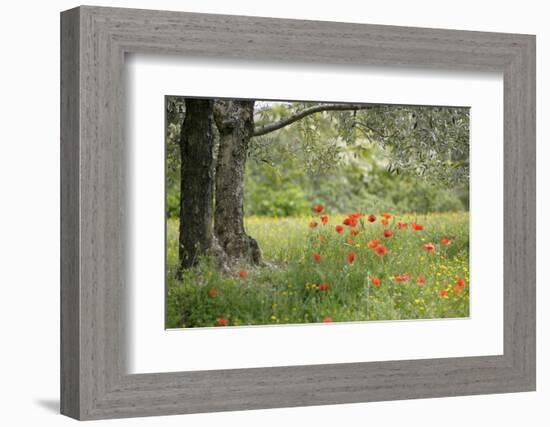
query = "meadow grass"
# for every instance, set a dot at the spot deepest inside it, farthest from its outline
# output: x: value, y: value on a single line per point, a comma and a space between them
x: 311, y: 275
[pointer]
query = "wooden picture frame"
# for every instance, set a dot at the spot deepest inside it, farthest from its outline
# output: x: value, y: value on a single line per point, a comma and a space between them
x: 94, y: 382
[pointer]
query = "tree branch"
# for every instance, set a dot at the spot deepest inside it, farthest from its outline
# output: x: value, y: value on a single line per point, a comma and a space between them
x: 270, y: 127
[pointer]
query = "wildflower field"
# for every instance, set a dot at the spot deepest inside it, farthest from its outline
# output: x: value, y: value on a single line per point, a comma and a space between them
x: 330, y: 268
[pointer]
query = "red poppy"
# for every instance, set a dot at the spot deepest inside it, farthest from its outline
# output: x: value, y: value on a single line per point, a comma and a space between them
x: 373, y: 243
x: 242, y: 273
x: 350, y: 221
x: 321, y: 238
x: 445, y: 241
x: 371, y: 218
x: 386, y: 215
x: 212, y: 292
x: 312, y: 224
x: 420, y: 280
x: 355, y: 232
x: 349, y: 240
x: 384, y: 222
x: 351, y: 257
x: 221, y: 322
x: 375, y: 281
x: 324, y: 219
x: 380, y: 250
x: 457, y: 290
x: 429, y: 247
x: 324, y: 287
x: 388, y: 233
x: 417, y: 227
x: 318, y: 208
x: 401, y: 225
x: 401, y: 277
x: 460, y: 282
x: 327, y: 319
x: 317, y: 257
x: 442, y: 293
x: 339, y: 229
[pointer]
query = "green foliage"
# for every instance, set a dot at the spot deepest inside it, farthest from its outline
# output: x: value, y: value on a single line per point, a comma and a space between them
x: 275, y: 190
x: 175, y: 111
x: 173, y: 200
x: 429, y: 141
x: 432, y: 142
x: 409, y: 193
x: 316, y: 140
x: 358, y: 178
x: 398, y: 158
x: 287, y: 290
x: 277, y: 202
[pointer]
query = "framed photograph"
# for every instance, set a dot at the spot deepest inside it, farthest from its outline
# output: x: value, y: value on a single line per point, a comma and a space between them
x: 261, y: 213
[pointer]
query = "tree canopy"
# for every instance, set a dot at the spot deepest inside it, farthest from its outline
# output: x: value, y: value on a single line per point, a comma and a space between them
x: 403, y: 157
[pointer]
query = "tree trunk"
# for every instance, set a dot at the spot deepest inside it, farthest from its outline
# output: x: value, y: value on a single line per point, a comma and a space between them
x: 235, y: 121
x: 197, y: 182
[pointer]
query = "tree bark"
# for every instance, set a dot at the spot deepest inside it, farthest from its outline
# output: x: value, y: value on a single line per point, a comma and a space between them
x: 235, y: 122
x: 197, y: 183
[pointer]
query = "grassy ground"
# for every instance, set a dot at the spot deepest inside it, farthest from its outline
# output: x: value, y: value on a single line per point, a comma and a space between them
x: 317, y: 274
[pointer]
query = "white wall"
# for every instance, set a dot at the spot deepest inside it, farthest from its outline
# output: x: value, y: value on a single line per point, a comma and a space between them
x: 29, y: 225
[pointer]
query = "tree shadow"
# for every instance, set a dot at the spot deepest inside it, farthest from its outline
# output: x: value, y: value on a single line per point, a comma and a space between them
x: 51, y: 405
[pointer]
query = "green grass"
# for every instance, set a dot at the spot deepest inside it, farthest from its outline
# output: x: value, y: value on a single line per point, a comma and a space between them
x: 287, y: 289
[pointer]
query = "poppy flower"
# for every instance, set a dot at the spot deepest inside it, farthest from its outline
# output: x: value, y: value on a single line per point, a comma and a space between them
x: 429, y: 247
x: 371, y: 218
x: 221, y: 322
x: 212, y: 292
x: 312, y: 224
x: 401, y: 277
x: 355, y: 215
x: 349, y: 240
x: 375, y: 281
x: 442, y: 293
x: 327, y: 319
x: 321, y: 238
x: 350, y: 221
x: 386, y: 215
x: 373, y: 243
x: 242, y: 273
x: 388, y: 233
x: 420, y: 280
x: 460, y: 282
x: 380, y: 250
x: 355, y: 232
x: 324, y: 287
x: 401, y: 225
x: 318, y: 208
x: 417, y: 227
x: 445, y: 241
x: 324, y: 219
x: 339, y: 229
x: 317, y: 257
x: 384, y: 222
x: 351, y: 257
x: 457, y: 290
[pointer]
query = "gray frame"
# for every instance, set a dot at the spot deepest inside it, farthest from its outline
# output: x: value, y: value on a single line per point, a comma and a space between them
x: 94, y: 383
